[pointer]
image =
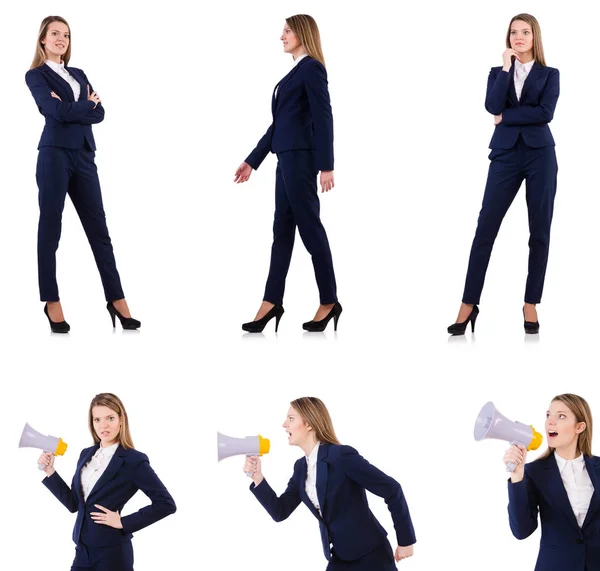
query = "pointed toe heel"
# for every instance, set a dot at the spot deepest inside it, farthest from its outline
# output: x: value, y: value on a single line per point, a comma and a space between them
x: 460, y: 328
x: 128, y: 323
x: 318, y: 326
x: 257, y: 326
x: 531, y: 327
x: 57, y: 326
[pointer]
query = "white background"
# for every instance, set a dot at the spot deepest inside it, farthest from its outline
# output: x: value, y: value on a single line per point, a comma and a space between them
x: 187, y: 95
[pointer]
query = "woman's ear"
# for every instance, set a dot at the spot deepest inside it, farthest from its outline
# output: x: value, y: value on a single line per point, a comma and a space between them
x: 580, y: 427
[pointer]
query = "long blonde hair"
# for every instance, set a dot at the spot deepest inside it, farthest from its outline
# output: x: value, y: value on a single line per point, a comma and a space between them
x: 114, y: 403
x: 538, y: 48
x: 305, y: 27
x: 40, y: 53
x: 314, y: 413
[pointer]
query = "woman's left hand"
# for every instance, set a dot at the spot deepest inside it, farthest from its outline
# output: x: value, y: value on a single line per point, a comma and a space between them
x: 326, y: 181
x: 106, y: 517
x: 55, y: 96
x: 403, y: 552
x: 497, y: 119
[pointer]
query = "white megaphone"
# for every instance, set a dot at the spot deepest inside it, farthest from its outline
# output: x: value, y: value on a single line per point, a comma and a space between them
x: 491, y: 424
x: 33, y: 439
x: 248, y: 446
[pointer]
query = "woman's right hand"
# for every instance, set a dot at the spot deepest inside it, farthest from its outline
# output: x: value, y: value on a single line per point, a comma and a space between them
x: 47, y: 460
x: 253, y: 467
x: 243, y: 172
x: 93, y: 96
x: 506, y: 58
x: 517, y: 454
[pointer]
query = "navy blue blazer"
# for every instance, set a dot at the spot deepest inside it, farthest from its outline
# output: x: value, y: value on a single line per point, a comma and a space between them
x: 528, y: 116
x: 68, y: 122
x: 345, y: 520
x: 302, y: 116
x: 564, y: 545
x: 127, y: 472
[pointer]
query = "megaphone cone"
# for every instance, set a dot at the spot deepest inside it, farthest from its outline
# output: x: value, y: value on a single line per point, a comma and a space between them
x: 31, y: 438
x: 248, y: 446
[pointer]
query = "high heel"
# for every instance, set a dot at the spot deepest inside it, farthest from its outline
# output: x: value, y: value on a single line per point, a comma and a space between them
x: 257, y: 326
x: 126, y: 322
x: 459, y: 328
x: 334, y: 314
x: 530, y: 326
x: 57, y: 326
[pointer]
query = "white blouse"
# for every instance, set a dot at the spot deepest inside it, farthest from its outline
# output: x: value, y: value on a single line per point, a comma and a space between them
x: 311, y: 477
x: 578, y: 485
x: 521, y: 72
x: 60, y: 69
x: 94, y: 469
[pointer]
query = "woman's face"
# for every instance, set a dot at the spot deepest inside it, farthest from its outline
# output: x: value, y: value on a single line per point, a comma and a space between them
x: 562, y: 428
x: 106, y: 424
x: 290, y: 40
x: 57, y: 39
x: 298, y: 431
x: 521, y: 37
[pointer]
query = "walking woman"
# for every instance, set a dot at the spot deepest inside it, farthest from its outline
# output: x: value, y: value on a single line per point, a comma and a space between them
x: 108, y: 474
x: 562, y: 487
x: 331, y: 480
x: 301, y: 135
x: 65, y: 165
x: 521, y: 95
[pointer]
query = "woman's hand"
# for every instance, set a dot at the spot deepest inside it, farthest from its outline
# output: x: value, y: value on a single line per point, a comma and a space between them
x: 497, y: 119
x: 326, y: 181
x: 47, y: 460
x: 93, y: 96
x: 506, y: 58
x: 517, y: 454
x: 253, y: 467
x: 55, y: 96
x: 243, y: 172
x: 403, y: 552
x: 106, y: 517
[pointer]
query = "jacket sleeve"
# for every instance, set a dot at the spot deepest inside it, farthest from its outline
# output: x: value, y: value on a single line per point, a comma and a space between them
x: 497, y: 91
x: 258, y: 155
x: 279, y: 508
x: 96, y: 115
x: 62, y: 111
x: 522, y: 508
x: 536, y: 114
x: 61, y: 491
x: 322, y: 118
x: 380, y: 484
x: 162, y: 503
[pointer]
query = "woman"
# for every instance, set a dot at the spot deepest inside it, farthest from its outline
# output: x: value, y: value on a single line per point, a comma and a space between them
x: 331, y: 480
x: 521, y: 95
x: 560, y: 486
x: 302, y: 136
x: 66, y: 166
x: 108, y: 474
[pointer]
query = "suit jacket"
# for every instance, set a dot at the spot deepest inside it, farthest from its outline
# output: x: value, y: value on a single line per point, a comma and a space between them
x: 302, y: 116
x: 127, y: 472
x: 345, y: 519
x: 564, y: 545
x: 528, y: 116
x: 68, y: 122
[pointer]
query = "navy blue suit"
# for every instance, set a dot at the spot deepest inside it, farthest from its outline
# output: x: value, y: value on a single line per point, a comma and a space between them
x: 100, y: 547
x: 522, y: 149
x: 66, y: 165
x: 302, y: 136
x: 351, y: 536
x: 564, y: 545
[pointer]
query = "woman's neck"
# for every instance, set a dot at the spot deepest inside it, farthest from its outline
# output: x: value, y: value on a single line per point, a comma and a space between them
x: 569, y: 452
x: 526, y: 57
x: 53, y: 57
x: 309, y: 446
x: 299, y: 51
x: 108, y: 444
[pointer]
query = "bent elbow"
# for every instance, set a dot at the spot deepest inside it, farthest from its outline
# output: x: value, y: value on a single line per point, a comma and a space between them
x: 521, y: 532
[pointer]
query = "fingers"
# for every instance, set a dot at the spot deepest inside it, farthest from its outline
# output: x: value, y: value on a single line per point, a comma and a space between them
x: 46, y: 459
x: 242, y: 174
x: 515, y: 454
x: 88, y: 89
x: 101, y: 508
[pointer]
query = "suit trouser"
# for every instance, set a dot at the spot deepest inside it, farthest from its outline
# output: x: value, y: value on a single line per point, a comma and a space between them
x: 381, y: 559
x: 508, y: 169
x: 111, y: 558
x: 297, y: 204
x: 73, y: 172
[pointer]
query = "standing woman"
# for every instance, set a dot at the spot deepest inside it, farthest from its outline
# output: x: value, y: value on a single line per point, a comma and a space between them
x: 331, y: 480
x: 302, y: 136
x: 521, y: 95
x: 108, y: 474
x: 562, y: 486
x: 66, y: 166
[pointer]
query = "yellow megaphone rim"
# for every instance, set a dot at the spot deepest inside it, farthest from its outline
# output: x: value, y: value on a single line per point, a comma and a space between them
x: 536, y: 440
x: 264, y: 445
x: 61, y: 447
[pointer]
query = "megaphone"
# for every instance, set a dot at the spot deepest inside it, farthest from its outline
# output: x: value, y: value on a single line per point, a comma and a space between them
x: 491, y: 424
x: 33, y: 439
x: 249, y: 446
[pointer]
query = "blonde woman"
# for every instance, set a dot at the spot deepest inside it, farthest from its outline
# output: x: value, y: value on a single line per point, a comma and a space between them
x: 108, y: 474
x: 301, y: 135
x: 65, y: 97
x: 562, y: 487
x: 331, y: 480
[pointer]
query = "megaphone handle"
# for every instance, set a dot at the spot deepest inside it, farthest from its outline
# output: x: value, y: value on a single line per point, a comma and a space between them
x: 250, y: 474
x: 511, y: 466
x: 41, y: 466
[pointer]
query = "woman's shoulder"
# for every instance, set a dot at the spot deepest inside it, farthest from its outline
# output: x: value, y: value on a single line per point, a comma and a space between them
x: 133, y: 455
x: 311, y: 65
x: 35, y: 71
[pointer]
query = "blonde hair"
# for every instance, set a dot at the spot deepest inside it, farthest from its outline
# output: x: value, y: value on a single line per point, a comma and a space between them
x: 314, y: 413
x: 538, y: 48
x: 114, y: 403
x: 40, y: 53
x: 306, y: 29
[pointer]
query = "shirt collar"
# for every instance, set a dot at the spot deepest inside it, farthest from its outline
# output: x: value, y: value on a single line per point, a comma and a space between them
x: 299, y: 58
x: 107, y: 452
x: 312, y: 457
x: 57, y: 67
x: 578, y: 462
x: 524, y: 66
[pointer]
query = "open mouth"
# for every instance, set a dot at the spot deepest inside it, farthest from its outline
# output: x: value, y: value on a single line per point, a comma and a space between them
x: 552, y: 434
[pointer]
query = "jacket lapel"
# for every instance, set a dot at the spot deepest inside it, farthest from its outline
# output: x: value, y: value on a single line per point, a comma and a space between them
x: 63, y: 89
x: 592, y: 465
x: 322, y: 473
x: 113, y: 466
x: 302, y: 473
x: 84, y: 460
x: 512, y: 92
x: 530, y: 80
x: 276, y: 92
x: 79, y: 79
x: 558, y: 494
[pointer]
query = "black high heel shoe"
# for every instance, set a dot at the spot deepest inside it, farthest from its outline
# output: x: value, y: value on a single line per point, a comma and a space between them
x: 459, y: 328
x: 57, y: 326
x: 530, y: 326
x: 126, y: 322
x: 334, y: 314
x: 257, y: 326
